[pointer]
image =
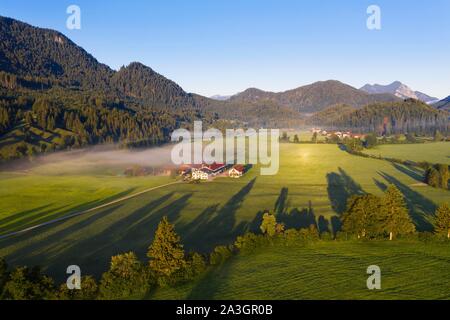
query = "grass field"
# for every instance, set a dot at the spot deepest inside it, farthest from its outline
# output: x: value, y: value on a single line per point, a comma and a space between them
x: 313, y: 184
x: 29, y: 199
x: 436, y: 152
x: 325, y: 270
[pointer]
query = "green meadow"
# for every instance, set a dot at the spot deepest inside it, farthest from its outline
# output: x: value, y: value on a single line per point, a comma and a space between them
x: 436, y: 152
x: 325, y: 270
x: 313, y: 184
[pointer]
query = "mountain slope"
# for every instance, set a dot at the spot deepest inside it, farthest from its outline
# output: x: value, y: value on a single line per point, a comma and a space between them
x: 400, y: 117
x: 444, y: 104
x: 330, y: 116
x: 47, y: 55
x: 315, y: 97
x: 425, y: 98
x: 141, y: 82
x: 399, y: 90
x: 29, y: 51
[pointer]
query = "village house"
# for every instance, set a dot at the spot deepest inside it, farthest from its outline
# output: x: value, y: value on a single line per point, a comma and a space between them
x: 237, y: 171
x: 214, y: 168
x: 199, y: 174
x: 202, y: 171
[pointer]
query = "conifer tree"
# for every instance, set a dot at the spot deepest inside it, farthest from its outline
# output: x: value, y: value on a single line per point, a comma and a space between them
x: 166, y: 252
x: 432, y: 177
x: 443, y: 175
x: 363, y: 216
x: 396, y: 217
x: 443, y: 220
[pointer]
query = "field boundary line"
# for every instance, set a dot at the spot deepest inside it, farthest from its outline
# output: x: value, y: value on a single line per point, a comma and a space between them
x: 76, y: 214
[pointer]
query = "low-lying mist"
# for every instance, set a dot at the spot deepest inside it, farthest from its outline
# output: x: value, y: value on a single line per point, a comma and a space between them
x: 101, y: 160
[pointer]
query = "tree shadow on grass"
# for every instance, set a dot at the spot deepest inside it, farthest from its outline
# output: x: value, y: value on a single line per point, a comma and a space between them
x: 381, y: 185
x: 280, y: 204
x: 134, y: 232
x: 409, y: 171
x: 37, y: 216
x: 43, y: 246
x: 336, y: 224
x: 208, y: 286
x: 323, y: 224
x: 302, y: 218
x: 216, y: 226
x: 298, y: 218
x: 21, y: 215
x: 420, y: 207
x: 35, y: 246
x: 341, y: 187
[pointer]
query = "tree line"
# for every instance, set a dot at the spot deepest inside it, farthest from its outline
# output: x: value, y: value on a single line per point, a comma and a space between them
x: 409, y: 116
x: 86, y: 118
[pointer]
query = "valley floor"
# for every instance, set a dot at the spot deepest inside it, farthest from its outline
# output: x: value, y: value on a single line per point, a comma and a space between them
x: 312, y: 185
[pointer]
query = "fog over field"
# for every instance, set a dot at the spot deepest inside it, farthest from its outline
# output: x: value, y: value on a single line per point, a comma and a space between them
x: 101, y: 159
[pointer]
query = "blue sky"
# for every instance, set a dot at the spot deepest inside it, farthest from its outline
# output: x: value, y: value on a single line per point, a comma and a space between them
x: 225, y: 46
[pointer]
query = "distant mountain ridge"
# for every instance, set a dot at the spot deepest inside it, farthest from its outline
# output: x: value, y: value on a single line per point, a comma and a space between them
x: 409, y: 115
x: 315, y: 97
x: 43, y: 63
x: 399, y: 90
x: 219, y: 97
x: 444, y: 104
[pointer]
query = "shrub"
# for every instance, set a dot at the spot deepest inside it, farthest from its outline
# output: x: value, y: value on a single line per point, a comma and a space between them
x: 292, y: 237
x: 220, y: 255
x: 127, y: 277
x: 88, y: 291
x: 3, y: 273
x: 28, y: 284
x: 195, y: 266
x: 269, y: 224
x: 249, y: 242
x: 326, y: 236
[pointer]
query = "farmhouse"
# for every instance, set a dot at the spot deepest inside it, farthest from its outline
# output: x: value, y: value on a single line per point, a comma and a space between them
x: 202, y: 171
x: 237, y: 171
x: 214, y: 168
x: 199, y: 174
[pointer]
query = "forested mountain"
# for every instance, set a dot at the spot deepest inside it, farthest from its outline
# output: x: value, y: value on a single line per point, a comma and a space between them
x: 315, y: 97
x: 331, y: 116
x: 140, y: 81
x: 264, y: 113
x: 398, y: 117
x: 54, y: 95
x: 444, y: 104
x: 26, y: 51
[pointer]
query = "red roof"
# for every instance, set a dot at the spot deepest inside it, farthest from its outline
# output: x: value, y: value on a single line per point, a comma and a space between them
x: 215, y: 166
x: 239, y: 168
